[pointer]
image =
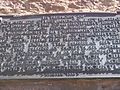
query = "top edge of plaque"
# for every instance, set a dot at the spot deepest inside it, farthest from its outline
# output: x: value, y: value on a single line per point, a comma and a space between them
x: 87, y: 14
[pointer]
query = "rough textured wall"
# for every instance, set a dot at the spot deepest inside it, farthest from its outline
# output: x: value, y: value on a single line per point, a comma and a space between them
x: 81, y: 84
x: 22, y: 7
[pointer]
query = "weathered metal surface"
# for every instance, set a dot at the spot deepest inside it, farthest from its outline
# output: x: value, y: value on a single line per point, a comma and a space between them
x: 66, y: 45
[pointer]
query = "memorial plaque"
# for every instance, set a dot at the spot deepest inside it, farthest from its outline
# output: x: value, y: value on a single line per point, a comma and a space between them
x: 64, y: 45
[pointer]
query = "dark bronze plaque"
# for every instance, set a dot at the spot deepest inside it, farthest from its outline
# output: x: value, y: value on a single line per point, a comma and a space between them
x: 66, y: 45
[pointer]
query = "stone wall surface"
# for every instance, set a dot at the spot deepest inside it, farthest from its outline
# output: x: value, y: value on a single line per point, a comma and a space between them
x: 23, y: 7
x: 74, y: 84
